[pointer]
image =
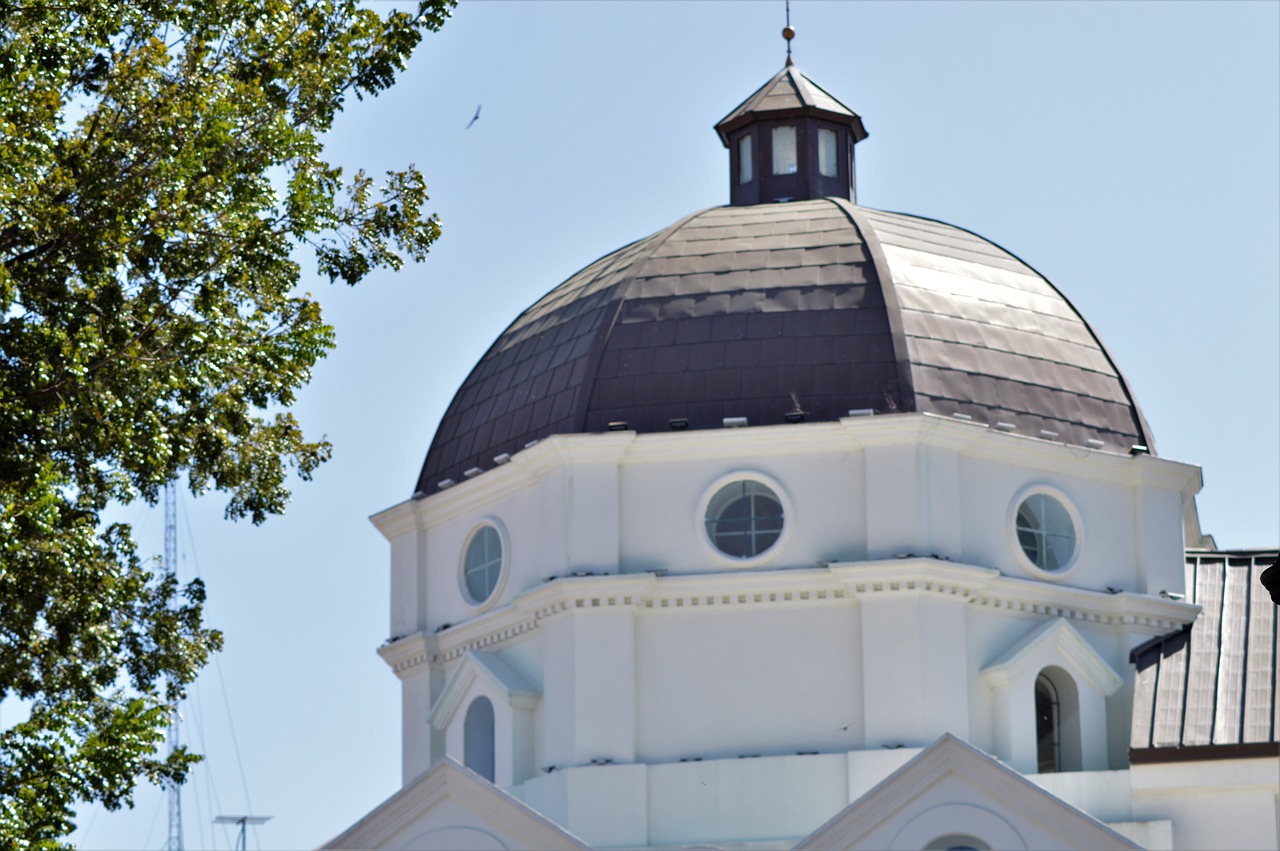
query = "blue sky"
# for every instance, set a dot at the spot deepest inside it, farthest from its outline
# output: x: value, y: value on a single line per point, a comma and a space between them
x: 1128, y: 151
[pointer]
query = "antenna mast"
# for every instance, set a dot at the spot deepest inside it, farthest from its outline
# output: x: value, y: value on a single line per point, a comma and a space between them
x: 171, y: 565
x: 242, y: 840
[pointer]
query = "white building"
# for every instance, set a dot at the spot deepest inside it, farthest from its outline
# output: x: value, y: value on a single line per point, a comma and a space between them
x: 801, y: 524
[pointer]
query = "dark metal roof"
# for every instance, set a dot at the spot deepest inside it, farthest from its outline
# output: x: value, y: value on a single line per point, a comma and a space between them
x: 790, y: 94
x: 742, y: 311
x: 1213, y: 684
x: 990, y: 337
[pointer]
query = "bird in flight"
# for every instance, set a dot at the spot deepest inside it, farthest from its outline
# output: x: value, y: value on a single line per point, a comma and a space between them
x: 474, y: 118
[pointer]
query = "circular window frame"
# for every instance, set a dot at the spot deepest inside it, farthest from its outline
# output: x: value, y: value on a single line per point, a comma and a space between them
x: 770, y: 552
x: 504, y: 567
x: 1011, y: 527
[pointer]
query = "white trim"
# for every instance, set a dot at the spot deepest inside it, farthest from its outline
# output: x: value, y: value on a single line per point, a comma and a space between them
x: 836, y: 584
x: 1011, y: 528
x: 774, y: 549
x: 408, y: 651
x: 504, y: 568
x: 1002, y: 788
x: 849, y: 434
x: 516, y: 690
x: 490, y: 809
x: 1061, y: 639
x: 982, y: 824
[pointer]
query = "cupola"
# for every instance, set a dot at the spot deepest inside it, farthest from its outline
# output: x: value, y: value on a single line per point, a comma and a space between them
x: 763, y: 312
x: 790, y: 141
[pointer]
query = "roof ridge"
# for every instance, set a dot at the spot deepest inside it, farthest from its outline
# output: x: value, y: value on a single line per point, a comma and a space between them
x: 623, y: 288
x: 1140, y: 420
x: 801, y: 84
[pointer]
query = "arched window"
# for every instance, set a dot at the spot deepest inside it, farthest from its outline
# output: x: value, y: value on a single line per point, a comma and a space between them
x: 1048, y: 728
x: 957, y: 842
x: 478, y: 738
x: 1057, y: 721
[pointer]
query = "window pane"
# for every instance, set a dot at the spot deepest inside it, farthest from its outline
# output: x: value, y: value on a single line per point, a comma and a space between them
x: 1058, y: 549
x: 1048, y: 751
x: 784, y: 150
x: 483, y: 564
x: 1045, y: 532
x: 478, y: 738
x: 744, y: 159
x: 827, y: 153
x: 744, y: 519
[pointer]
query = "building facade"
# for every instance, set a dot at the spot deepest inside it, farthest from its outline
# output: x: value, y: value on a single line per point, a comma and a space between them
x: 802, y: 524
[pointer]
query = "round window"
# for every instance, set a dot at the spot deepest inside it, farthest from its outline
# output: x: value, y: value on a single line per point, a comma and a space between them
x: 1045, y: 532
x: 482, y: 565
x: 744, y: 519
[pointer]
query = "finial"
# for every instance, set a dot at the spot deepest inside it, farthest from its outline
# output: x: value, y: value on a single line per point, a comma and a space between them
x: 788, y: 32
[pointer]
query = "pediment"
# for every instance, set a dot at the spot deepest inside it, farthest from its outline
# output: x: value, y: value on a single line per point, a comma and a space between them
x: 953, y: 790
x: 482, y: 665
x: 450, y: 807
x: 1054, y: 642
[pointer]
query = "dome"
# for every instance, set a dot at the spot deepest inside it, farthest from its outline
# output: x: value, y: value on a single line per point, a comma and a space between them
x: 791, y: 304
x: 756, y: 311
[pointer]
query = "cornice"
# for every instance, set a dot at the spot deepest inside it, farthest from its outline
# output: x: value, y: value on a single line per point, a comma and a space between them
x: 913, y: 575
x: 606, y: 448
x: 834, y: 584
x: 850, y: 434
x: 756, y: 441
x: 395, y: 520
x: 978, y: 441
x: 523, y: 469
x: 408, y: 651
x: 1141, y: 614
x: 482, y: 491
x: 561, y: 452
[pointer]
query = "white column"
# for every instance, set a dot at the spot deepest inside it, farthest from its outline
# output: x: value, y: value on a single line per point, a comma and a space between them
x: 589, y: 687
x: 915, y: 682
x: 408, y: 583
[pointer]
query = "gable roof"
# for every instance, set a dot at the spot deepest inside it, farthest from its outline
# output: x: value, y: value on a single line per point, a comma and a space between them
x: 449, y: 806
x: 517, y: 691
x: 1210, y: 690
x: 953, y: 788
x: 1054, y: 640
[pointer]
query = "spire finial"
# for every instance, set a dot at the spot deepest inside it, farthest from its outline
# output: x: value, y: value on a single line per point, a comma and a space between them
x: 788, y: 32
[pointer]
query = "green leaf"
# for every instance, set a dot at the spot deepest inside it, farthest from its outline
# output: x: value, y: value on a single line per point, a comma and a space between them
x: 161, y: 164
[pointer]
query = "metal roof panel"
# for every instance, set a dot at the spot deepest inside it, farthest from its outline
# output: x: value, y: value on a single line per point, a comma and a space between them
x: 879, y: 302
x: 1215, y: 682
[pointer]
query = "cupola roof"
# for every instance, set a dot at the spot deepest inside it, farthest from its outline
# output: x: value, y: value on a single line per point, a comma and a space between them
x: 790, y: 304
x: 790, y: 141
x: 789, y: 94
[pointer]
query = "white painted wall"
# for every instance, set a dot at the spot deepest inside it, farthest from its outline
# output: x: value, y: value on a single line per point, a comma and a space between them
x: 749, y: 680
x: 1213, y: 804
x: 671, y: 651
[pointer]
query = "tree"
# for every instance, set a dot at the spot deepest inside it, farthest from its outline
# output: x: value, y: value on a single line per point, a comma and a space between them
x: 160, y: 167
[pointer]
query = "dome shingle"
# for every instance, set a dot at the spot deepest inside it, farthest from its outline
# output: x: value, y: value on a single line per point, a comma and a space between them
x: 747, y: 311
